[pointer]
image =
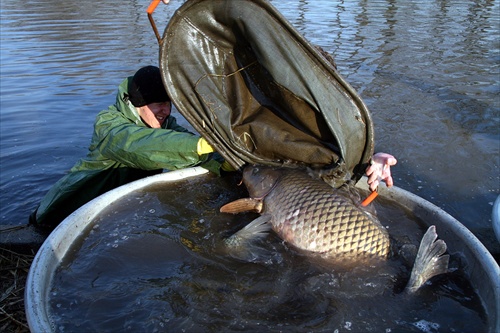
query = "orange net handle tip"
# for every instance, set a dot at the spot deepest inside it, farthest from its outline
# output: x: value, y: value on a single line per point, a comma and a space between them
x: 369, y: 199
x: 152, y: 6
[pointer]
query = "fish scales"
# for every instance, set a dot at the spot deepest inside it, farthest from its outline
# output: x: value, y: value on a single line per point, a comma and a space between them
x: 313, y: 216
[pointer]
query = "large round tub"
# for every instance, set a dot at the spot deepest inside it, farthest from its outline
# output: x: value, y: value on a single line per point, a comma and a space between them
x: 482, y: 270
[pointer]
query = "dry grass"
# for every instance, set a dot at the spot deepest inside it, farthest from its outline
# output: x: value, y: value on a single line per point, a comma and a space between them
x: 13, y: 272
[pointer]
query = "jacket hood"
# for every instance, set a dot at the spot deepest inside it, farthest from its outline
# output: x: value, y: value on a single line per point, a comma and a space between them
x: 124, y: 105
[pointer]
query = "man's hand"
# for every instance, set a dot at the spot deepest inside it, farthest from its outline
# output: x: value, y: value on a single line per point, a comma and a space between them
x: 203, y: 147
x: 380, y: 170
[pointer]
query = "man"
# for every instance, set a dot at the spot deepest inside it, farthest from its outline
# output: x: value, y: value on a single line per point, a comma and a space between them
x: 134, y: 138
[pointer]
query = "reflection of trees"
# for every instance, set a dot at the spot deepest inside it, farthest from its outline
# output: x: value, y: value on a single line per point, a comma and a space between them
x: 428, y: 72
x: 72, y: 42
x: 431, y: 95
x: 93, y: 23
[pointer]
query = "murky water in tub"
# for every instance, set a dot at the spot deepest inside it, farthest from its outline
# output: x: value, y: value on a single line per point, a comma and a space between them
x: 153, y: 263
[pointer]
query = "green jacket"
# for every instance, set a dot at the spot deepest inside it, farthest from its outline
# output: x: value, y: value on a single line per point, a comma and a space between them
x: 123, y: 149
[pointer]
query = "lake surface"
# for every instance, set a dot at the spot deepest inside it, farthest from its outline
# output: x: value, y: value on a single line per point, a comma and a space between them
x: 428, y: 71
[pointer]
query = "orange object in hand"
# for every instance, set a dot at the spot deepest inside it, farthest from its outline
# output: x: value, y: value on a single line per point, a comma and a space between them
x: 369, y: 199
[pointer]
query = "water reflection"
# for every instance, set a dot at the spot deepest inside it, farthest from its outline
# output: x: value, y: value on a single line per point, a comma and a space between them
x: 428, y: 71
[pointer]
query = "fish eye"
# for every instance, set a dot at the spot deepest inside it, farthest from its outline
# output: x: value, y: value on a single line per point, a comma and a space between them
x: 255, y: 171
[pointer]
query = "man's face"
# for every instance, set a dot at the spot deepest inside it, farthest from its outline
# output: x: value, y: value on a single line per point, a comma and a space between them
x: 155, y: 114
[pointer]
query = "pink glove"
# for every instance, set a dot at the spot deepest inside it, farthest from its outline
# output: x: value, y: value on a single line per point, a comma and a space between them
x: 380, y: 169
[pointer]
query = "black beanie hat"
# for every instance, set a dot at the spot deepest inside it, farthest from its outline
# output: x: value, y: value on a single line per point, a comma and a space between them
x: 146, y: 87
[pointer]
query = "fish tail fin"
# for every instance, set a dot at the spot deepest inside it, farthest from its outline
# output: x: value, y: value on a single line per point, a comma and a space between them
x: 430, y: 260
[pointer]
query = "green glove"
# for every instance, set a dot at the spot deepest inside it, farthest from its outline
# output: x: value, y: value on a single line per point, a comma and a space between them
x: 203, y: 147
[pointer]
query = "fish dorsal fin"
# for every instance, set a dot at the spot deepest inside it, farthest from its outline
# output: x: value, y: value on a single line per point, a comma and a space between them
x: 243, y: 205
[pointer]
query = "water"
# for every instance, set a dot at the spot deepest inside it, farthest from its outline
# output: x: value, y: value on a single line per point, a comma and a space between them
x: 154, y: 262
x: 428, y: 71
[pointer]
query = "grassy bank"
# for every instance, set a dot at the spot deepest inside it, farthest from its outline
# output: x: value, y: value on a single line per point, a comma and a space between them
x: 14, y: 269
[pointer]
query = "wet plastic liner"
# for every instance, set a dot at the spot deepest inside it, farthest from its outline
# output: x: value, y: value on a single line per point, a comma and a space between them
x: 259, y: 92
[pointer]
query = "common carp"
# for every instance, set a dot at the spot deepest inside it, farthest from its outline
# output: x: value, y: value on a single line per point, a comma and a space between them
x: 312, y: 216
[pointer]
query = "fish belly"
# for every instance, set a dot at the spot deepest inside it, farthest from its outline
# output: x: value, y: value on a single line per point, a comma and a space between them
x: 312, y: 216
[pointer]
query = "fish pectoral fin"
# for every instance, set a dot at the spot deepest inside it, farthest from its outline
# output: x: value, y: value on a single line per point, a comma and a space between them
x: 242, y: 205
x: 243, y: 245
x: 257, y: 229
